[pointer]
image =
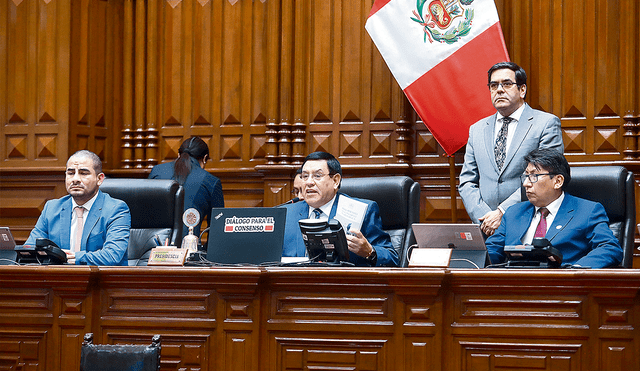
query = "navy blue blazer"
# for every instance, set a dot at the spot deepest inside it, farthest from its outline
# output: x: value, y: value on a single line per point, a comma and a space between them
x: 580, y: 231
x: 371, y: 229
x: 202, y: 190
x: 105, y: 236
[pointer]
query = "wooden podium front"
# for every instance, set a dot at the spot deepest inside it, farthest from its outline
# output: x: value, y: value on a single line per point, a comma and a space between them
x: 325, y: 319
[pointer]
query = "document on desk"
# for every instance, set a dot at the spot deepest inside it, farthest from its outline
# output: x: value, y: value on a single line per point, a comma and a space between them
x: 350, y: 213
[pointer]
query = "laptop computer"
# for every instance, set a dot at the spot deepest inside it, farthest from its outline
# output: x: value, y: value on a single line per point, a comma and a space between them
x: 466, y: 240
x: 7, y: 247
x: 252, y: 235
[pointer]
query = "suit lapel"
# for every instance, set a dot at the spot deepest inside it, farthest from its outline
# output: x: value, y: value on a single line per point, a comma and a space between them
x: 489, y: 139
x: 565, y: 214
x: 92, y: 219
x: 524, y: 221
x: 65, y: 214
x: 522, y: 129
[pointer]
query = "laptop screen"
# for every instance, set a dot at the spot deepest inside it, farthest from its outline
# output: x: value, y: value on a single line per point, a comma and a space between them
x: 6, y: 239
x: 457, y: 236
x: 251, y: 235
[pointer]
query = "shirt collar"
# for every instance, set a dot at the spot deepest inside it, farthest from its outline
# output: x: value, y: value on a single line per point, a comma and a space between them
x: 326, y: 208
x: 515, y: 115
x: 87, y: 205
x: 554, y: 206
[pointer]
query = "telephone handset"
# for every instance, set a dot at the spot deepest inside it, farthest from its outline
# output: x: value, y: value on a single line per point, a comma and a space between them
x: 45, y: 252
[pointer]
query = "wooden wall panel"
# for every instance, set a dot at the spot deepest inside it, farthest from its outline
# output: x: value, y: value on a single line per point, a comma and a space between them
x: 266, y: 82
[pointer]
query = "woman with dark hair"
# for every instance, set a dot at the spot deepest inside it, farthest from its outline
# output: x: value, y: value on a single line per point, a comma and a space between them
x: 203, y: 191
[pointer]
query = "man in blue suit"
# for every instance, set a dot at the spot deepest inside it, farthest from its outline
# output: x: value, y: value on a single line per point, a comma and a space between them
x: 493, y: 161
x: 578, y: 228
x: 89, y: 226
x: 321, y: 176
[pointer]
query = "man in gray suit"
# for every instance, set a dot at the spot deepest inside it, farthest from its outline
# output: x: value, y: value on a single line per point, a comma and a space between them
x: 494, y: 158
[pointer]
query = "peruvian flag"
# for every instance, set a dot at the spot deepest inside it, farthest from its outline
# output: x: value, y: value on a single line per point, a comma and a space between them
x: 439, y: 51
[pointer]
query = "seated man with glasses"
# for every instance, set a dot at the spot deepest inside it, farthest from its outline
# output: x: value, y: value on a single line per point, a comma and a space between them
x: 489, y: 180
x: 321, y: 176
x: 578, y: 228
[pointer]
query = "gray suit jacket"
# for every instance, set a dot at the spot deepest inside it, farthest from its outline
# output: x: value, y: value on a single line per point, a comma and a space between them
x: 482, y: 187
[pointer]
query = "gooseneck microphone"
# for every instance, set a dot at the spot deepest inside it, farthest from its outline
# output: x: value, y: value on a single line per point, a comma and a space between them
x: 291, y: 201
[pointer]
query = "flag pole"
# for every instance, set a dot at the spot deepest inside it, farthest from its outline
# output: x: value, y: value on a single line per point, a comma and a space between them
x: 452, y: 186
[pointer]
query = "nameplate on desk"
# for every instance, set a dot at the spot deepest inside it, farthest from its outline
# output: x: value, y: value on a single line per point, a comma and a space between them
x: 430, y: 257
x: 167, y: 255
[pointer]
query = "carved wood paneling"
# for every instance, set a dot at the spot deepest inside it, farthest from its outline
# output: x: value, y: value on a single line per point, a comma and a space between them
x: 267, y: 82
x: 325, y: 318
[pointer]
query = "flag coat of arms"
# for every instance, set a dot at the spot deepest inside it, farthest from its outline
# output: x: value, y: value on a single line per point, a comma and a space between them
x: 439, y: 51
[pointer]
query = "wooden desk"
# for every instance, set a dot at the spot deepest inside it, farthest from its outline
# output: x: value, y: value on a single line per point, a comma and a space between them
x: 325, y: 319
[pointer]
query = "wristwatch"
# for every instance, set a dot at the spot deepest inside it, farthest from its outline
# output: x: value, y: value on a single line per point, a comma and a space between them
x: 373, y: 257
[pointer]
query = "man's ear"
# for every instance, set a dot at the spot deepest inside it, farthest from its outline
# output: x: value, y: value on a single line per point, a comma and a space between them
x: 100, y: 179
x: 558, y: 181
x: 337, y: 178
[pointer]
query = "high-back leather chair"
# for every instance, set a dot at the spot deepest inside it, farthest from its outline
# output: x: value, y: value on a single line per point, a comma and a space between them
x: 156, y: 207
x: 398, y: 198
x: 106, y: 357
x: 613, y: 187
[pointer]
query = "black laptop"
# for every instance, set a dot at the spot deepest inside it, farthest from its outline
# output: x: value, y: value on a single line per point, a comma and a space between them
x: 252, y: 235
x: 465, y: 240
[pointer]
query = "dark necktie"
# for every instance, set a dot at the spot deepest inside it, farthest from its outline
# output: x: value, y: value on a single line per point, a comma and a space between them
x: 317, y: 213
x: 541, y: 231
x: 500, y: 150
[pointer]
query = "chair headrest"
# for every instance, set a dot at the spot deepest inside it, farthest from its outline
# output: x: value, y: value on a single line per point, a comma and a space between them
x: 151, y: 201
x: 390, y: 193
x: 603, y: 184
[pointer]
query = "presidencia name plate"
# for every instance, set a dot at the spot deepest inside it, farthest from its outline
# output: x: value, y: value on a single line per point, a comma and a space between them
x: 167, y: 255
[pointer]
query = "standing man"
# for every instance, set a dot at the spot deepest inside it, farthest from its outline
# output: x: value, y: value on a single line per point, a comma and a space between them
x: 578, y: 228
x: 321, y: 176
x: 89, y: 226
x: 493, y: 162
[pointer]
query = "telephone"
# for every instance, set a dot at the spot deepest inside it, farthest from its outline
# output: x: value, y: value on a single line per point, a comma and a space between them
x: 45, y: 252
x: 540, y: 254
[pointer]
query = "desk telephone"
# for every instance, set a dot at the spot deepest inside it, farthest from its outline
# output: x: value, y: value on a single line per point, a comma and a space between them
x: 45, y: 252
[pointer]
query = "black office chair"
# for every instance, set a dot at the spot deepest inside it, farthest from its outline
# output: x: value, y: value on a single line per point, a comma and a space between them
x: 399, y: 200
x: 613, y: 187
x: 105, y: 357
x: 156, y: 207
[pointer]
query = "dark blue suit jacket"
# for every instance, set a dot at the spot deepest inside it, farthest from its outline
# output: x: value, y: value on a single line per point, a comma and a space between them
x: 580, y: 231
x: 105, y: 235
x: 371, y: 229
x: 202, y: 190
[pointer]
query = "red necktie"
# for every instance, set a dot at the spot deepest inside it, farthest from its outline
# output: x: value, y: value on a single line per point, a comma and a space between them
x: 541, y: 231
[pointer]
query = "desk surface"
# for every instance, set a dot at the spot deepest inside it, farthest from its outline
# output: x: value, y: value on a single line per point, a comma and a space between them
x: 274, y: 318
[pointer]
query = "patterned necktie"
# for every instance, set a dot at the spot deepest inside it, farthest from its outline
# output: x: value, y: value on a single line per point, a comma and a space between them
x: 317, y: 213
x: 77, y: 243
x: 541, y: 231
x: 500, y: 150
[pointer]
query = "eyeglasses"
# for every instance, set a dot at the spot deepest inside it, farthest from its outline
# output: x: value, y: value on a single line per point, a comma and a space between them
x: 493, y: 86
x: 316, y: 176
x: 533, y: 178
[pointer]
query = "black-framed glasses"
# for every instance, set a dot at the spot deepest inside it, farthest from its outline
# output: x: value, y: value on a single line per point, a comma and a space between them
x: 315, y: 176
x: 505, y: 85
x: 533, y: 178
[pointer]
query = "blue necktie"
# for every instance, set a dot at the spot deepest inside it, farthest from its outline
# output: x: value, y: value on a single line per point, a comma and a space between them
x: 317, y: 213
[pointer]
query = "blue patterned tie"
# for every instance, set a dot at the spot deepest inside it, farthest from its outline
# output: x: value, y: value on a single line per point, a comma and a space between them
x: 317, y: 213
x: 500, y: 151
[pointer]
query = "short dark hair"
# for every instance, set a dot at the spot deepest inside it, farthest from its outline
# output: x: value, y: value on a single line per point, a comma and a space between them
x: 521, y: 76
x: 332, y: 162
x: 552, y: 161
x: 97, y: 163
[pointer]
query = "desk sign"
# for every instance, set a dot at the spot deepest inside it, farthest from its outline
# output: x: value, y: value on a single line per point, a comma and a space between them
x: 167, y: 255
x: 430, y: 257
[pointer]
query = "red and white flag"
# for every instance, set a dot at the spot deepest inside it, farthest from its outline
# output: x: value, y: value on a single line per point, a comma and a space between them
x: 439, y: 51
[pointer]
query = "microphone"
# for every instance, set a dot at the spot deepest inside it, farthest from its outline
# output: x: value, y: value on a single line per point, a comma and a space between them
x: 291, y: 201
